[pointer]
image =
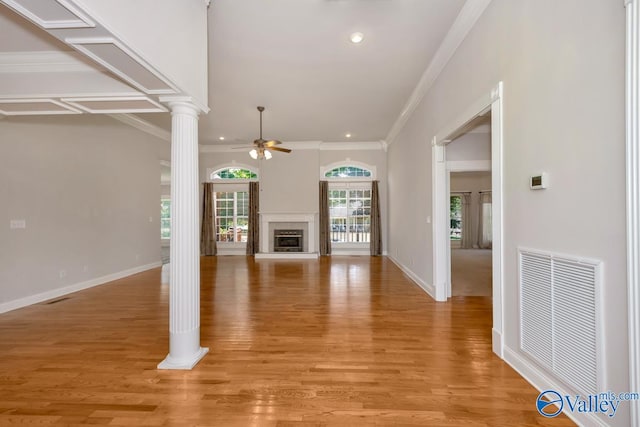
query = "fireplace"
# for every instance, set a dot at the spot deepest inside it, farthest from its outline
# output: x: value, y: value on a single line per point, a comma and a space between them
x: 287, y: 240
x: 296, y: 236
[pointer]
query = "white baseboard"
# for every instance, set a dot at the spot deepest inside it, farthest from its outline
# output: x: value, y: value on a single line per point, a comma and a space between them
x: 428, y: 288
x: 496, y: 343
x: 286, y: 255
x: 356, y: 252
x: 231, y: 252
x: 55, y: 293
x: 542, y: 381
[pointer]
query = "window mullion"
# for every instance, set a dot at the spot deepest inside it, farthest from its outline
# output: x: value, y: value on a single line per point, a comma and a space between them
x: 235, y: 215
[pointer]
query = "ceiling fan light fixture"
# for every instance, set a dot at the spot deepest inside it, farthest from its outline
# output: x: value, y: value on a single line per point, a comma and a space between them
x: 356, y: 37
x: 262, y: 148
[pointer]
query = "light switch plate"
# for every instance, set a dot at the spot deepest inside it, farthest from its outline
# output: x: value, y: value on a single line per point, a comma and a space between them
x: 17, y: 223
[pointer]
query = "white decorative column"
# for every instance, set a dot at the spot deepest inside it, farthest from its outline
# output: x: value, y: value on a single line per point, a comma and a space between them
x: 184, y: 276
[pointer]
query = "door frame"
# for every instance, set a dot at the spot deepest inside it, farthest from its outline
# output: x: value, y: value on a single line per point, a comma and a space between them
x: 633, y: 196
x: 491, y: 101
x: 453, y: 167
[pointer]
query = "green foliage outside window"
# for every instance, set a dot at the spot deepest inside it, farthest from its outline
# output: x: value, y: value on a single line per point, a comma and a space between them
x: 234, y: 173
x: 348, y: 172
x: 165, y: 218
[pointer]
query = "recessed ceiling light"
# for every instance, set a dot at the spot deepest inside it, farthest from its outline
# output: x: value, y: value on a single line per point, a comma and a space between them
x: 348, y: 135
x: 357, y: 37
x: 221, y: 138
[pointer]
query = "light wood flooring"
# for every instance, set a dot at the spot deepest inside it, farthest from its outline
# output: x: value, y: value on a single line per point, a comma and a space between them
x: 344, y: 341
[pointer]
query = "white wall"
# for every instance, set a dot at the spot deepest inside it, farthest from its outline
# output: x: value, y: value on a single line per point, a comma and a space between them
x: 470, y: 146
x: 87, y: 187
x: 562, y: 64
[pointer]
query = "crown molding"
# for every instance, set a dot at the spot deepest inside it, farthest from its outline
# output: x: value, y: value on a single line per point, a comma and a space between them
x: 466, y: 19
x: 143, y: 125
x: 228, y: 148
x: 44, y: 62
x: 303, y: 145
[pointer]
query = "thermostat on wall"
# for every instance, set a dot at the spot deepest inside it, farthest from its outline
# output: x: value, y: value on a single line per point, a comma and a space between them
x: 538, y: 182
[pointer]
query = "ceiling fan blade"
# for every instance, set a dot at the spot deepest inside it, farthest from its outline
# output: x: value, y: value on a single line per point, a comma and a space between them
x: 244, y: 147
x: 284, y: 150
x: 272, y: 142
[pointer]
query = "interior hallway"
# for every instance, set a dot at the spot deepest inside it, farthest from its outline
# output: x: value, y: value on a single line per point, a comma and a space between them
x: 341, y: 341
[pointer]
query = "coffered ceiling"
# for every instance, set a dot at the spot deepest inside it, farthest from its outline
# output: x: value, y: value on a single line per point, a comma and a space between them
x: 294, y: 57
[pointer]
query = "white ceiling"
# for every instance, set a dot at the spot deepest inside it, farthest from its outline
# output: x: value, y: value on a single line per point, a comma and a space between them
x: 294, y: 57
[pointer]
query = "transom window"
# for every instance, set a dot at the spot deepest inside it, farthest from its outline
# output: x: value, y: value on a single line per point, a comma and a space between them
x: 348, y: 172
x: 234, y: 173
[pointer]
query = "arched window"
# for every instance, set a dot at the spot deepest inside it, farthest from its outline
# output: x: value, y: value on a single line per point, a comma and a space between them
x: 233, y: 173
x: 349, y: 202
x: 231, y: 201
x: 348, y: 172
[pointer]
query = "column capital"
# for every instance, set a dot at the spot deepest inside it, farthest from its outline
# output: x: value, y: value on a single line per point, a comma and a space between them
x: 183, y: 104
x: 628, y: 2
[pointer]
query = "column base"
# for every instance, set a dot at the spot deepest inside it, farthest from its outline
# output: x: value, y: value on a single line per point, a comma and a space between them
x: 183, y: 363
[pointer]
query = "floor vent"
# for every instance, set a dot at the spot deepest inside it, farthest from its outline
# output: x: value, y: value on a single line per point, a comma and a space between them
x: 559, y: 316
x: 57, y: 300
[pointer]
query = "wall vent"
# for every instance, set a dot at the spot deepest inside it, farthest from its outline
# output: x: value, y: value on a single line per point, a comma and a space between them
x: 559, y: 316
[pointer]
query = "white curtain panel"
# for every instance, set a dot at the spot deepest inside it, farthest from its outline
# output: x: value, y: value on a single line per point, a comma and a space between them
x: 485, y: 239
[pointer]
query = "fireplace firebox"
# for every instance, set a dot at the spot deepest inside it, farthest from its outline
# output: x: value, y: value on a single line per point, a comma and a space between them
x: 287, y: 240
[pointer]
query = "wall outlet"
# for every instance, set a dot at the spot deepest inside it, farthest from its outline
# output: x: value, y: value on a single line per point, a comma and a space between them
x: 63, y: 274
x: 85, y: 268
x: 150, y: 219
x: 137, y: 257
x: 17, y: 223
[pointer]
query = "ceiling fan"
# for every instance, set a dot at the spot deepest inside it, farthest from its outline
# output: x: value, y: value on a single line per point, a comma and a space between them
x: 261, y: 148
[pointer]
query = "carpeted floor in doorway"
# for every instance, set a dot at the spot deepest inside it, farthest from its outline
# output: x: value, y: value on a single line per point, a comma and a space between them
x: 471, y: 272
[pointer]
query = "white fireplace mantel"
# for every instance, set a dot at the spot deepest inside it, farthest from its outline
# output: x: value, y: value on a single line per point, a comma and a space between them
x: 273, y: 217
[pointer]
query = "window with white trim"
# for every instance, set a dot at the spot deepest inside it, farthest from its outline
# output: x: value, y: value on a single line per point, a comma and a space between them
x: 165, y: 218
x: 232, y: 215
x: 350, y: 215
x: 231, y: 198
x: 349, y: 203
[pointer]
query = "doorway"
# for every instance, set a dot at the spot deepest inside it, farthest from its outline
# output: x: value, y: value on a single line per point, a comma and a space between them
x: 487, y: 108
x: 470, y: 233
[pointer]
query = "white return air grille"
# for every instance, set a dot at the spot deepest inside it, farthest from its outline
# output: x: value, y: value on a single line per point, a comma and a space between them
x: 559, y: 309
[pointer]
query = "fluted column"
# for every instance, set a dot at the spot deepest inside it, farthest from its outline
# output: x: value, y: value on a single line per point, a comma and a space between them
x: 184, y: 276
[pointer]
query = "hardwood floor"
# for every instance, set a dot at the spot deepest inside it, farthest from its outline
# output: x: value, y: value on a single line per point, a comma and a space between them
x: 344, y: 341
